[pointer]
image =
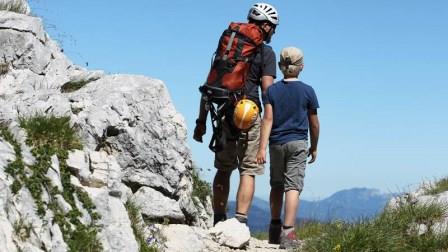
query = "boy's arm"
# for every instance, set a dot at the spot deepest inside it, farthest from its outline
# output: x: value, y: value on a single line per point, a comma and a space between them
x: 266, y: 126
x: 314, y: 133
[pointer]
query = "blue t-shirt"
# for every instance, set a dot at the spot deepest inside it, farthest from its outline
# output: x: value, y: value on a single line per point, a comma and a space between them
x: 290, y: 102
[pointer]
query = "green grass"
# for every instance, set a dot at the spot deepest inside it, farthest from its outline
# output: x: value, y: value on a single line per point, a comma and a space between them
x: 48, y: 136
x: 439, y: 187
x: 201, y: 188
x: 260, y: 235
x: 135, y: 218
x: 14, y: 6
x: 72, y: 86
x: 389, y: 232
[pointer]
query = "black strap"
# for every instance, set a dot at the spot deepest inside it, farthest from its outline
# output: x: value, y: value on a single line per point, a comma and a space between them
x: 220, y: 102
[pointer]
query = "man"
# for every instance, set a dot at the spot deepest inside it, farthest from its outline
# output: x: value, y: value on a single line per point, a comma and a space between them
x: 240, y: 152
x: 290, y: 109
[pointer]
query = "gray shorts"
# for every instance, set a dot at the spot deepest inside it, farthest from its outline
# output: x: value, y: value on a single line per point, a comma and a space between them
x: 288, y: 163
x: 241, y: 153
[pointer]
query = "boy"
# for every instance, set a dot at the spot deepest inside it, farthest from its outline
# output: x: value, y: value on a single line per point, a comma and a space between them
x: 290, y: 110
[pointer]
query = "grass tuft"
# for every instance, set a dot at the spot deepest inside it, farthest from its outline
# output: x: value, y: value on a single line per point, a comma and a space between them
x: 13, y: 6
x: 72, y: 86
x: 390, y: 231
x: 201, y: 188
x: 136, y: 220
x: 439, y: 187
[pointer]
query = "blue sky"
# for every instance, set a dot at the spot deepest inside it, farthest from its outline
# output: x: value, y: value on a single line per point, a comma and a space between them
x: 378, y: 67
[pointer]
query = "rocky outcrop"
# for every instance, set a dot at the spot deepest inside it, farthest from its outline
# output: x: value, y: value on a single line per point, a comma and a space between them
x: 134, y: 145
x: 19, y: 6
x: 423, y: 197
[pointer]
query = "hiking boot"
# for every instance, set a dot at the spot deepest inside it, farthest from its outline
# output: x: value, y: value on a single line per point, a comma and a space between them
x: 289, y: 240
x: 274, y: 233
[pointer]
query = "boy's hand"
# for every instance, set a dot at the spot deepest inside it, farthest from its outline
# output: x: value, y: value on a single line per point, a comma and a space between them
x: 313, y: 153
x: 261, y: 156
x: 199, y: 131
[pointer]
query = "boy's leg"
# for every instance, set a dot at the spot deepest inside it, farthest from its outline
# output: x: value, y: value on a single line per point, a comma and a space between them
x: 296, y: 154
x: 277, y: 167
x: 291, y: 205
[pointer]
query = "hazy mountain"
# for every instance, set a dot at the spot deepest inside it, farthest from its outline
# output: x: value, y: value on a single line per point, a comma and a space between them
x: 348, y: 205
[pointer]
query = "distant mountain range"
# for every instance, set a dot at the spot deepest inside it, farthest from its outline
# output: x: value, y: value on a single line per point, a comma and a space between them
x: 348, y: 205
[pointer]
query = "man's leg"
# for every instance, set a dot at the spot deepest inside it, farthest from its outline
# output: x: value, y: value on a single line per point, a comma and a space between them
x: 245, y: 194
x: 221, y: 185
x: 276, y: 202
x: 248, y: 167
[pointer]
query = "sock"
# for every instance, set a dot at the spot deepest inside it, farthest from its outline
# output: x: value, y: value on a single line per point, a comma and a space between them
x: 287, y: 229
x: 276, y: 221
x: 219, y: 217
x: 241, y: 217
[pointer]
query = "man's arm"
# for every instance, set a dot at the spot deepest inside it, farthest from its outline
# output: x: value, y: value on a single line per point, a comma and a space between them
x: 314, y: 133
x: 266, y: 81
x: 266, y: 126
x: 201, y: 128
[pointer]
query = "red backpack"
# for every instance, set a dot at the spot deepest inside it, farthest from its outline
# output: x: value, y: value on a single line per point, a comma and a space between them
x: 234, y: 55
x: 236, y: 51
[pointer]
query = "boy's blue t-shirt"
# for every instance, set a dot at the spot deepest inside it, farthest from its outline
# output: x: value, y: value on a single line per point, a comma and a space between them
x: 290, y: 102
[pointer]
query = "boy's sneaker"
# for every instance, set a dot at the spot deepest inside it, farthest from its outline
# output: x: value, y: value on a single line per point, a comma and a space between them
x: 289, y: 240
x: 274, y: 233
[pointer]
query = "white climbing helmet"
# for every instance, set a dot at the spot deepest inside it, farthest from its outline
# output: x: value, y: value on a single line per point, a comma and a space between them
x: 263, y: 11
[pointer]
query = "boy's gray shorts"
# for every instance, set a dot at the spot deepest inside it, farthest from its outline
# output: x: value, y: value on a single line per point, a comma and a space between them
x: 288, y: 162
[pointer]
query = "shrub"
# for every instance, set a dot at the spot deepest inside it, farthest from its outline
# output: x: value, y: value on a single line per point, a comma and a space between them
x: 48, y: 136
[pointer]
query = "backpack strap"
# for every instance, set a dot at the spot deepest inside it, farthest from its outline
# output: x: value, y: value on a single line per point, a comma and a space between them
x: 229, y: 45
x: 218, y: 101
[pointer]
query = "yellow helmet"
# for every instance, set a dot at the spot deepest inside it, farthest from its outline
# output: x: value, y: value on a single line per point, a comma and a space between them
x: 245, y: 114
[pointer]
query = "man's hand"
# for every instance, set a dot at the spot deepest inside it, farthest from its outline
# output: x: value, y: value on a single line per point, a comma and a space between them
x: 313, y: 153
x: 261, y: 156
x: 199, y: 131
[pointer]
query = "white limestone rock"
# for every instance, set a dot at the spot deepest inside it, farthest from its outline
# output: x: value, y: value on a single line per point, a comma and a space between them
x: 78, y: 163
x: 7, y: 154
x: 106, y: 170
x: 230, y: 233
x: 116, y: 234
x: 154, y: 205
x: 54, y: 173
x: 25, y: 8
x: 180, y: 238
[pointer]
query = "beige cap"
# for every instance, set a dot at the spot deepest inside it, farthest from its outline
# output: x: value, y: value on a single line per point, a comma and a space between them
x: 291, y: 56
